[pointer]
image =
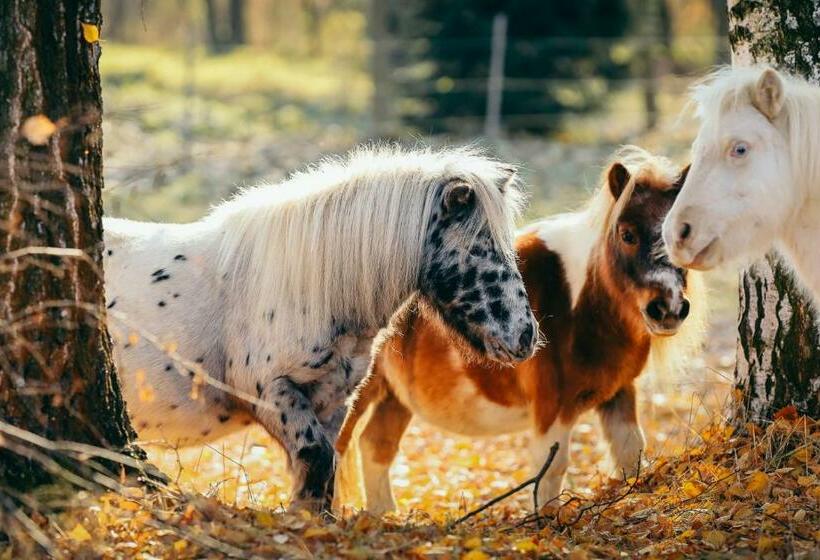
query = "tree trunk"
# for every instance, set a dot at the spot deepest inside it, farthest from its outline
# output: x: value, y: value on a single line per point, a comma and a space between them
x: 778, y: 355
x: 379, y: 12
x: 215, y: 43
x: 57, y: 377
x: 721, y: 15
x: 237, y: 21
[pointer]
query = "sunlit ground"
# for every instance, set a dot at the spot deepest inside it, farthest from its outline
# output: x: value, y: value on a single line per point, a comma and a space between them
x: 445, y: 475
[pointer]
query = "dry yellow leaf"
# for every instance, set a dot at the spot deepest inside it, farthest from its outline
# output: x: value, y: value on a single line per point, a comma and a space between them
x: 472, y: 542
x: 758, y: 482
x: 687, y: 534
x: 745, y: 512
x: 128, y: 505
x: 805, y: 481
x: 475, y: 554
x: 316, y: 533
x: 91, y: 33
x: 79, y: 534
x: 765, y: 544
x: 770, y: 508
x: 715, y: 538
x: 737, y: 490
x: 692, y: 488
x: 803, y: 454
x: 180, y: 545
x: 363, y: 523
x: 525, y: 545
x: 264, y: 519
x: 38, y: 129
x: 578, y: 554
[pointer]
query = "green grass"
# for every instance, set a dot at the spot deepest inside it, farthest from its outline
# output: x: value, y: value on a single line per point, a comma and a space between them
x: 241, y: 93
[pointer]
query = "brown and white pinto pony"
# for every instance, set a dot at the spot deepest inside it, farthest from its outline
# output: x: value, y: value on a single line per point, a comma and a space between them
x: 607, y: 300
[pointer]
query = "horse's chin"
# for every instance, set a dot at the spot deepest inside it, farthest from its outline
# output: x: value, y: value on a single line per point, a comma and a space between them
x: 709, y: 257
x: 661, y: 331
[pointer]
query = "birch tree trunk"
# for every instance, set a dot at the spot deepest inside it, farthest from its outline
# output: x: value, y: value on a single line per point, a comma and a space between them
x: 778, y: 354
x: 57, y: 377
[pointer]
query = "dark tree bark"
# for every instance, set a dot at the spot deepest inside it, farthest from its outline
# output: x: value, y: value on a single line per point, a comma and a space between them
x: 778, y: 355
x: 57, y: 377
x: 212, y: 23
x: 225, y: 24
x: 236, y: 14
x: 721, y: 15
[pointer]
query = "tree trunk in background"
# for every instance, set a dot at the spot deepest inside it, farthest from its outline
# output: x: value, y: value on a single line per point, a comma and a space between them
x: 236, y: 17
x: 57, y: 378
x: 721, y: 15
x: 212, y: 24
x: 778, y: 356
x: 655, y: 36
x: 377, y: 20
x: 225, y: 24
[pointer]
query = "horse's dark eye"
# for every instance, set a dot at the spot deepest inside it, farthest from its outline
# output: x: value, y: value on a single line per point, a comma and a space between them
x: 739, y: 150
x: 628, y: 237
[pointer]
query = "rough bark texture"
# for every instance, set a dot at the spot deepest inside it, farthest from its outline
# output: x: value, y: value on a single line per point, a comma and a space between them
x: 57, y: 377
x: 778, y: 356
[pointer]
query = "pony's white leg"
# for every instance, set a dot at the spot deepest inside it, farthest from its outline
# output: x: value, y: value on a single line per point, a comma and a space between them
x: 290, y: 419
x: 552, y: 483
x: 619, y: 420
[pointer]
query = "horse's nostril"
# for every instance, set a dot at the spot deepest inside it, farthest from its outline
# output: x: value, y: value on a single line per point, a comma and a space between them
x: 684, y: 310
x: 525, y: 339
x: 657, y: 309
x: 685, y: 231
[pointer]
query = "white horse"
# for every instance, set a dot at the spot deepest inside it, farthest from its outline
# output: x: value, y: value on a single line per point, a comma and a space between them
x: 264, y: 310
x: 755, y: 176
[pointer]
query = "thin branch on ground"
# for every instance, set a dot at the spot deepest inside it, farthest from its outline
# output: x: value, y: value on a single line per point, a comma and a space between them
x: 536, y: 480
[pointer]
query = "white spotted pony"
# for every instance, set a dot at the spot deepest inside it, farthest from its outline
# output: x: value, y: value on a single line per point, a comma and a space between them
x: 755, y: 176
x: 265, y: 309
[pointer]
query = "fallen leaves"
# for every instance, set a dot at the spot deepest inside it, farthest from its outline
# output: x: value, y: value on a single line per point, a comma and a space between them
x: 746, y: 492
x: 758, y: 483
x: 38, y: 129
x: 79, y: 534
x: 91, y: 33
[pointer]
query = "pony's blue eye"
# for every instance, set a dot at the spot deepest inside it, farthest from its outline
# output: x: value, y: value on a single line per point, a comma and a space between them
x: 740, y: 150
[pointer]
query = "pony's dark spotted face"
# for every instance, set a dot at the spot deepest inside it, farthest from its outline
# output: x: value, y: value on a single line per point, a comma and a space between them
x: 477, y: 291
x: 635, y: 246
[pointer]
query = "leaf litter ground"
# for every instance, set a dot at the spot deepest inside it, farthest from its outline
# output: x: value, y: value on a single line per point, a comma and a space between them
x: 707, y: 490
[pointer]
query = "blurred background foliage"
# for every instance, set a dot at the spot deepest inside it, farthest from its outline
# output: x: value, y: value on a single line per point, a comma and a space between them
x: 204, y: 96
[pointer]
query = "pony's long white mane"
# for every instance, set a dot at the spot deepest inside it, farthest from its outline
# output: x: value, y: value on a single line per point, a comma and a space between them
x: 730, y: 87
x: 345, y: 237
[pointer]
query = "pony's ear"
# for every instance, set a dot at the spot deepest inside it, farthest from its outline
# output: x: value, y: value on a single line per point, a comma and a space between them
x: 617, y: 177
x: 458, y: 196
x: 767, y: 96
x: 682, y: 177
x: 508, y: 174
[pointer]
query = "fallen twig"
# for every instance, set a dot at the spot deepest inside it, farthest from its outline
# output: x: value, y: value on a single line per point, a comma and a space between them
x: 536, y: 480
